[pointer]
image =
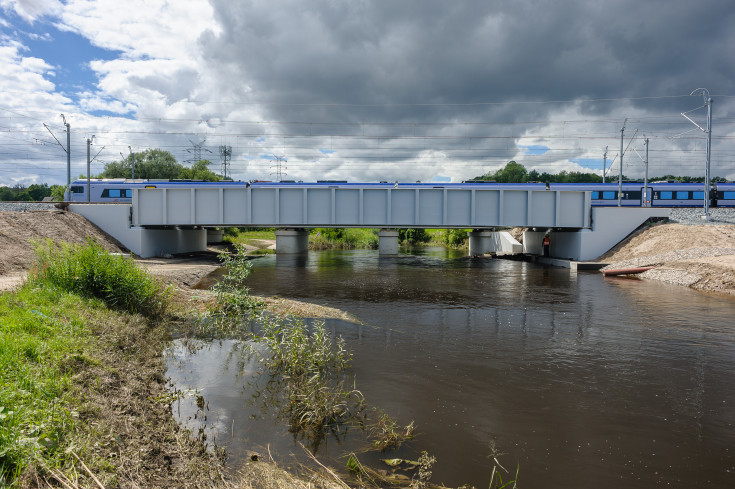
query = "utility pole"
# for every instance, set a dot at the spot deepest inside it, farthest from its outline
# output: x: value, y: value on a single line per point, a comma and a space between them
x: 132, y: 163
x: 89, y: 163
x: 708, y: 131
x: 707, y: 176
x: 604, y: 164
x: 620, y: 177
x: 645, y: 179
x: 225, y: 153
x: 67, y: 150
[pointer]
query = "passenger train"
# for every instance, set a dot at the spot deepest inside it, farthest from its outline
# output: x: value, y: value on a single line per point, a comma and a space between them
x: 659, y: 194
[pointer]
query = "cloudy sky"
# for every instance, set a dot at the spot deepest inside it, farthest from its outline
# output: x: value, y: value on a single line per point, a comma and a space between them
x: 366, y: 90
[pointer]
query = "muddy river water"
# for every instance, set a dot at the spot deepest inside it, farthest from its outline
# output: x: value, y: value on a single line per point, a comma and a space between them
x: 579, y: 380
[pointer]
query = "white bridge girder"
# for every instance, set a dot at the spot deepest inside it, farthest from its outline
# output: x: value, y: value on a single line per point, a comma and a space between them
x: 305, y: 207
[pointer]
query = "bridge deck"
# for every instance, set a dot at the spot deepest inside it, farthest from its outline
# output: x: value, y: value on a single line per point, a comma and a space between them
x: 337, y: 206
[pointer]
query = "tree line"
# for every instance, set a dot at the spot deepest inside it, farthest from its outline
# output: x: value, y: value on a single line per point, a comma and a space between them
x: 516, y: 173
x: 160, y: 164
x: 151, y: 163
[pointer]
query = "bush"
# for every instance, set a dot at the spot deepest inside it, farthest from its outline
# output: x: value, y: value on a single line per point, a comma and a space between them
x: 455, y: 237
x: 233, y: 298
x: 90, y: 270
x: 414, y: 236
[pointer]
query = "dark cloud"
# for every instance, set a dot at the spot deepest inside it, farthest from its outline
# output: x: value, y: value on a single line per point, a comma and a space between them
x: 415, y: 52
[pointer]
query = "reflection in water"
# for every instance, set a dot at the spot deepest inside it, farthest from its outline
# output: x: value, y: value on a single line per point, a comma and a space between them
x: 579, y: 379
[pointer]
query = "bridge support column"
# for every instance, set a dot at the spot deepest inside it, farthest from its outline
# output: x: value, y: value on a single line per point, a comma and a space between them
x: 292, y: 241
x: 481, y: 242
x: 387, y: 242
x: 533, y: 242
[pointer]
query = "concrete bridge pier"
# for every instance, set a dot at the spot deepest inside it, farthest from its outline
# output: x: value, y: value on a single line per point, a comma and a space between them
x: 387, y: 242
x: 481, y: 242
x: 292, y: 241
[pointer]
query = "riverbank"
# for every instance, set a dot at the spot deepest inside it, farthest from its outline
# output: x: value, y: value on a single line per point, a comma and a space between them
x: 697, y: 256
x: 85, y: 401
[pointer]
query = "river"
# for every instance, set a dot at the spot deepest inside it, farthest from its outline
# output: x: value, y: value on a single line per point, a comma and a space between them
x: 576, y: 379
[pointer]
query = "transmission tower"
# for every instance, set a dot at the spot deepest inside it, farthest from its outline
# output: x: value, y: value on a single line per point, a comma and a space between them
x: 196, y: 151
x: 225, y: 152
x: 279, y: 168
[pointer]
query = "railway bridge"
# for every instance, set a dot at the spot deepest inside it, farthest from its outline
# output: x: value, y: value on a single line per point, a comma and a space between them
x: 162, y: 221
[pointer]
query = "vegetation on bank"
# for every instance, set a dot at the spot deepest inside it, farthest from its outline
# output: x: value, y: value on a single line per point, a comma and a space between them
x: 351, y: 238
x: 82, y: 394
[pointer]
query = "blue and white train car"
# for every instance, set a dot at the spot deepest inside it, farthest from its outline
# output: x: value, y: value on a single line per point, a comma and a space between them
x: 725, y: 195
x: 606, y: 194
x: 679, y: 195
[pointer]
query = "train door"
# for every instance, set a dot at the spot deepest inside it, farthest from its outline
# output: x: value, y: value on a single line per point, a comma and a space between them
x: 646, y: 196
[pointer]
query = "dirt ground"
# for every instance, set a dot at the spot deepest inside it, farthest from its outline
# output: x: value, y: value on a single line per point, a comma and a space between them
x: 701, y: 256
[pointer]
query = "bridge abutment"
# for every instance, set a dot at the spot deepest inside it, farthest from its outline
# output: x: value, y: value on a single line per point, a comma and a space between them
x: 533, y: 242
x: 292, y: 241
x: 484, y: 241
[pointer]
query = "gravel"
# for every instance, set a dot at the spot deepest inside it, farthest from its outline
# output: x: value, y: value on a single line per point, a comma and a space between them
x: 27, y: 206
x: 693, y: 215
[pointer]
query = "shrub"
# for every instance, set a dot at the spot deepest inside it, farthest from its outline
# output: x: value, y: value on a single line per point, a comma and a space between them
x: 455, y: 237
x: 89, y: 270
x: 233, y: 298
x: 414, y: 236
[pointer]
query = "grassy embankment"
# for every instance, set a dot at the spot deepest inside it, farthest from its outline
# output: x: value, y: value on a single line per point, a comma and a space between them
x: 83, y: 401
x: 352, y: 238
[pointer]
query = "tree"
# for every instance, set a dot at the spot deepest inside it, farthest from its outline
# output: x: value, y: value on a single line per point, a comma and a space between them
x: 38, y: 192
x: 159, y: 164
x: 511, y: 173
x: 151, y: 163
x: 200, y: 171
x: 6, y: 194
x: 57, y: 192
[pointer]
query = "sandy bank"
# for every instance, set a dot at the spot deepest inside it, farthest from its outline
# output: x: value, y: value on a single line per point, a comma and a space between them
x: 698, y: 256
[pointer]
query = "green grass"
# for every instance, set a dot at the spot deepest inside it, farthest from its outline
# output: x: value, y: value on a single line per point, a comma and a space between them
x: 343, y: 239
x: 89, y: 270
x: 244, y: 235
x: 43, y: 335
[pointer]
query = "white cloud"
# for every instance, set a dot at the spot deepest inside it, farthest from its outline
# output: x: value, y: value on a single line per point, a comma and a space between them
x: 31, y: 10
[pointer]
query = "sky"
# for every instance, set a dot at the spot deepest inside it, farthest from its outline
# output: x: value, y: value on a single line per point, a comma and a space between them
x: 368, y: 90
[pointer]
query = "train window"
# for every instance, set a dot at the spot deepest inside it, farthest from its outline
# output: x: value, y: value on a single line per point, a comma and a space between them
x: 633, y: 195
x: 77, y: 189
x: 682, y: 195
x: 595, y: 195
x: 666, y: 195
x: 609, y: 195
x: 116, y: 193
x: 698, y: 195
x: 728, y: 195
